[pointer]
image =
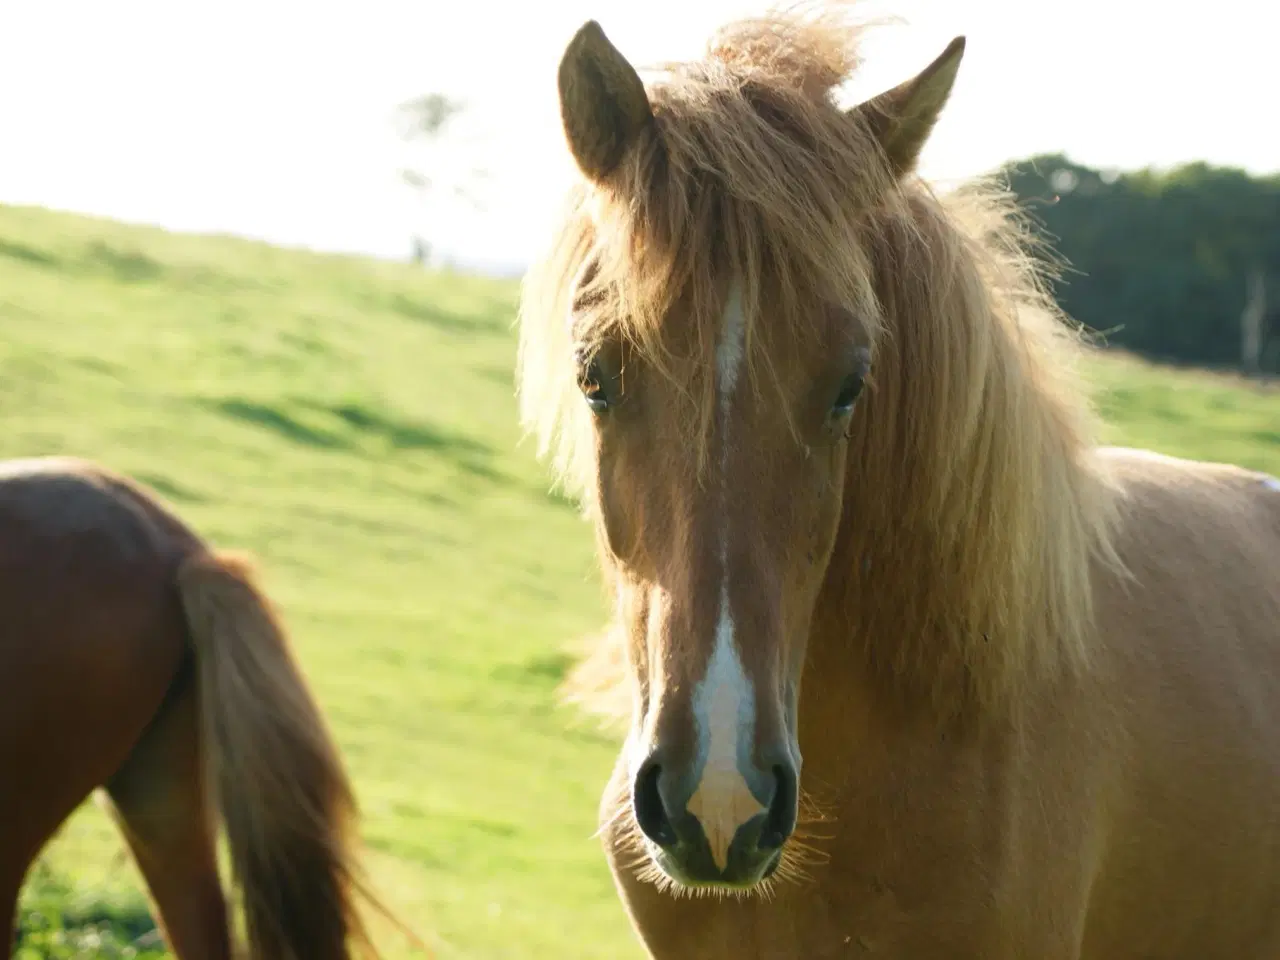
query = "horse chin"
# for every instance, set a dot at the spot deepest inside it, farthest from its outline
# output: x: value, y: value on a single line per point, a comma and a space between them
x: 670, y: 875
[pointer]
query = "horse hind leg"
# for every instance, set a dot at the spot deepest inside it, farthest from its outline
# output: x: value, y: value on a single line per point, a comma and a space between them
x: 159, y: 800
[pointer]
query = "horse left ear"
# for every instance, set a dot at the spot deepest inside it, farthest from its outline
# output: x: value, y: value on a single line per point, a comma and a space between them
x: 903, y: 118
x: 603, y: 103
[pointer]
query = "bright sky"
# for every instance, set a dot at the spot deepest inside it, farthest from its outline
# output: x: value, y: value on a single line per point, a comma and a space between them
x: 273, y: 118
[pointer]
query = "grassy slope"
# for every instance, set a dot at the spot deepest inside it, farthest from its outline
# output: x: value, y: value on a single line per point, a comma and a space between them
x: 353, y: 424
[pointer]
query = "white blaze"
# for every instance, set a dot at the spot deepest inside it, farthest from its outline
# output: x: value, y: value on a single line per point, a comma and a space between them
x: 733, y: 333
x: 723, y: 704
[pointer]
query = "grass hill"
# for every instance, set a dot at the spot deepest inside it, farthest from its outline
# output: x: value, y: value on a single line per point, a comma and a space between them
x: 353, y: 424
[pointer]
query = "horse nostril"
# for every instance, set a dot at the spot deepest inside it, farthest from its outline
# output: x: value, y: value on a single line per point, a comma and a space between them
x: 651, y: 813
x: 781, y: 819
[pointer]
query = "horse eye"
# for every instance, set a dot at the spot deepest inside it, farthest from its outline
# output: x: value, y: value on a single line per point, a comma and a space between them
x: 847, y: 396
x: 591, y: 383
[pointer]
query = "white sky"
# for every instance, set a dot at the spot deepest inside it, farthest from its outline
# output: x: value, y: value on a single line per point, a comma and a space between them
x: 273, y: 118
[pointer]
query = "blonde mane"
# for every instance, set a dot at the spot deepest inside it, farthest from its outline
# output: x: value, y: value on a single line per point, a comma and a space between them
x: 980, y: 508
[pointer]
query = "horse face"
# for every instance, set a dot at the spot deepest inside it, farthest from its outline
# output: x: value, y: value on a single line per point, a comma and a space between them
x: 722, y: 403
x: 717, y: 551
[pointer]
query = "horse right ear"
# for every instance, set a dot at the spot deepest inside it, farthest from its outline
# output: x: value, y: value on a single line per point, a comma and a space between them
x: 903, y: 118
x: 603, y: 104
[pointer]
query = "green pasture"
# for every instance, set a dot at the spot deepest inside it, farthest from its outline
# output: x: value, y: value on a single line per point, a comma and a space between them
x: 353, y: 423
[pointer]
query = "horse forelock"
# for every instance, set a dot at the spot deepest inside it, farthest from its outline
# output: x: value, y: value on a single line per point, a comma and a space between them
x: 751, y: 174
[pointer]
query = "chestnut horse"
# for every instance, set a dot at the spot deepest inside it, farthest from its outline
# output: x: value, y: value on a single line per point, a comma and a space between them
x: 850, y: 509
x: 136, y: 659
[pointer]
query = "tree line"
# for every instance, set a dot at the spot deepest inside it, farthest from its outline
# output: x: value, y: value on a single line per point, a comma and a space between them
x: 1166, y: 264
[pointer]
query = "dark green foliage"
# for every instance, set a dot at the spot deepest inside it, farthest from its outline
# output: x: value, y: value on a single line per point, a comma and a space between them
x: 56, y: 925
x: 1159, y: 262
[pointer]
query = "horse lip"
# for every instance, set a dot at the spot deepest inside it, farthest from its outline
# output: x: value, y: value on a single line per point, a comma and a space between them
x: 691, y: 865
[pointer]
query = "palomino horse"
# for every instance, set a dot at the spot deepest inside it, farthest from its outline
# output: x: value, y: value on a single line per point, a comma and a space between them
x: 135, y: 658
x: 850, y: 508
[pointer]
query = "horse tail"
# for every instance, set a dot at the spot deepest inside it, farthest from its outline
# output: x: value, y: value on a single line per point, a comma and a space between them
x: 276, y: 775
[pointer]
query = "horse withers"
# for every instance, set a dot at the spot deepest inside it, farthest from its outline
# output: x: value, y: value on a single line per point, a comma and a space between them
x: 135, y: 658
x: 913, y: 667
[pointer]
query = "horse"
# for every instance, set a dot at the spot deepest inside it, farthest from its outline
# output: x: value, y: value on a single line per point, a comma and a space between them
x: 911, y: 664
x: 137, y: 659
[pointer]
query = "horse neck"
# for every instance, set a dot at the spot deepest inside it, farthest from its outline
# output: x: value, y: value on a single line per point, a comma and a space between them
x: 941, y: 602
x: 841, y: 704
x: 877, y: 671
x: 853, y: 726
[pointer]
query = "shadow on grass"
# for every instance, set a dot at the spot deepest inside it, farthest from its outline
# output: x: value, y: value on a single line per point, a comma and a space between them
x: 544, y: 671
x: 276, y: 420
x: 171, y: 489
x: 351, y: 426
x: 20, y: 251
x: 128, y: 266
x: 557, y: 497
x: 499, y: 375
x: 492, y: 320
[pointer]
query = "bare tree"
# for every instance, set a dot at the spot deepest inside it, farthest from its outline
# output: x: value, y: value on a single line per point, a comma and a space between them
x: 1252, y: 321
x: 428, y: 119
x: 428, y: 115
